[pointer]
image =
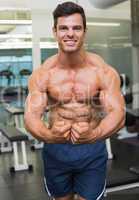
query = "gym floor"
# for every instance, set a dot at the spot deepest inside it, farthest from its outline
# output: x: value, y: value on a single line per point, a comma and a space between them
x: 29, y: 186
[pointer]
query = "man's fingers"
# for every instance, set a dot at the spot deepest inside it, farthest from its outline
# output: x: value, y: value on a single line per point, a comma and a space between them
x: 64, y: 128
x: 76, y: 128
x: 67, y: 134
x: 73, y: 138
x: 75, y: 133
x: 79, y: 129
x: 83, y: 123
x: 61, y: 126
x: 59, y: 123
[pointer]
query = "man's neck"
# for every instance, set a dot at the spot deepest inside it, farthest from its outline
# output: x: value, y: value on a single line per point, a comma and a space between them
x: 72, y: 60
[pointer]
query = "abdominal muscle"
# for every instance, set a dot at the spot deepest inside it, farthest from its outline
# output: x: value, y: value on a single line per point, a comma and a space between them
x: 74, y: 113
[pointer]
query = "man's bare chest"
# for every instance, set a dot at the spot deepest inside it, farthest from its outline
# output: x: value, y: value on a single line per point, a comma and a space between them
x: 68, y: 85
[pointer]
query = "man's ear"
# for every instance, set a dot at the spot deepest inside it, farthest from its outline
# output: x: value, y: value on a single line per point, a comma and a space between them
x: 86, y: 30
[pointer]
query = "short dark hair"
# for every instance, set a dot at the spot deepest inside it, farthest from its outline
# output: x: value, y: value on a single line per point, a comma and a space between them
x: 68, y: 8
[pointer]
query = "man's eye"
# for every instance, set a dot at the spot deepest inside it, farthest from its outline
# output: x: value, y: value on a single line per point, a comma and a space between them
x: 77, y: 28
x: 63, y: 28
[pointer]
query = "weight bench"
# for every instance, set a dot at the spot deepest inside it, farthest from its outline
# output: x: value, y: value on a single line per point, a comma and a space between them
x: 135, y: 115
x: 16, y: 137
x: 121, y: 179
x: 18, y: 113
x: 5, y: 144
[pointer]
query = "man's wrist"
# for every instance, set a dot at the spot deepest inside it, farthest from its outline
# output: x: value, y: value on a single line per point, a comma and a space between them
x: 98, y: 133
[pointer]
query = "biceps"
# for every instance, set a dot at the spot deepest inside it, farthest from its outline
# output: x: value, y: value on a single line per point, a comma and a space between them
x: 36, y: 103
x: 112, y: 100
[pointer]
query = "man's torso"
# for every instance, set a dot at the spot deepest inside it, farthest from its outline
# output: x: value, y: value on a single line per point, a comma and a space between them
x: 73, y: 95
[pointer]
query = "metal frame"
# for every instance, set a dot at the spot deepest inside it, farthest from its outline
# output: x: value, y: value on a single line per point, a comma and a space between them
x: 37, y: 144
x: 24, y: 165
x: 122, y: 187
x: 109, y: 150
x: 3, y: 141
x: 19, y: 123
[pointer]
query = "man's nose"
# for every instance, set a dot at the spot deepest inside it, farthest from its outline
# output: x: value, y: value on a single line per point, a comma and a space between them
x: 70, y: 32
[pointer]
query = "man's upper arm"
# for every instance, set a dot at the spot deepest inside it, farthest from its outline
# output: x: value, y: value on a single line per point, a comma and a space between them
x: 36, y: 101
x: 110, y: 93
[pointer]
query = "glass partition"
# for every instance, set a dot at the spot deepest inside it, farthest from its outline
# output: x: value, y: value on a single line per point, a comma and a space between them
x: 111, y: 39
x: 15, y: 46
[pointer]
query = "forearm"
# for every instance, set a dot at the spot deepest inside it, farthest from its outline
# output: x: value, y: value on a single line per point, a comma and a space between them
x: 37, y: 128
x: 112, y: 123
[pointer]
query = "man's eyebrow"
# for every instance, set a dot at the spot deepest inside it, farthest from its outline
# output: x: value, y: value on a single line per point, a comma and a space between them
x: 74, y: 26
x: 62, y: 26
x: 77, y: 26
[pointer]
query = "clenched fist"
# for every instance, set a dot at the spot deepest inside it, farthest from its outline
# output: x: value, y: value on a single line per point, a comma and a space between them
x: 61, y: 131
x: 80, y: 131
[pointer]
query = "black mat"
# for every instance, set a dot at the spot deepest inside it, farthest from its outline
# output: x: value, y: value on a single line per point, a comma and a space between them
x: 117, y: 177
x: 132, y: 141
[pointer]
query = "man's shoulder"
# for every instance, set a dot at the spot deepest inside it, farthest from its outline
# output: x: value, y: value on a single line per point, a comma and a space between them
x: 101, y: 66
x: 40, y: 75
x: 50, y: 62
x: 44, y: 69
x: 97, y: 61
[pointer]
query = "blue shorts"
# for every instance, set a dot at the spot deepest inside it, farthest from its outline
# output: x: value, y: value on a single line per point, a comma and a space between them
x: 75, y: 168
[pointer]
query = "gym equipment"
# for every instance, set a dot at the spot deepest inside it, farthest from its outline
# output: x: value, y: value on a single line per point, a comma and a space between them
x: 128, y: 96
x: 24, y: 74
x: 17, y: 138
x: 119, y: 179
x: 5, y: 144
x: 135, y: 114
x: 125, y: 81
x: 17, y: 113
x: 129, y: 122
x: 130, y: 117
x: 126, y: 89
x: 7, y: 82
x: 7, y: 75
x: 109, y: 149
x: 125, y: 179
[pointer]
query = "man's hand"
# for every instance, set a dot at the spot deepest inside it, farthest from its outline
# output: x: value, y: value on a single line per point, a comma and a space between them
x: 81, y: 132
x: 60, y: 132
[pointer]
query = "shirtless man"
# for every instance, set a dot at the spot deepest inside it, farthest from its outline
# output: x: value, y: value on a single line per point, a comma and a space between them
x: 85, y: 106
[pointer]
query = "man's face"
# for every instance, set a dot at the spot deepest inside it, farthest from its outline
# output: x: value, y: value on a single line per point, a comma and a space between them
x: 70, y: 33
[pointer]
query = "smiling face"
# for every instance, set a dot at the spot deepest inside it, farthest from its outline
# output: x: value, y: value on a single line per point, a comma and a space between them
x: 70, y: 33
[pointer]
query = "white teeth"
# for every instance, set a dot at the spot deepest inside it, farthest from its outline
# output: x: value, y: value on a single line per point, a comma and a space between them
x: 70, y: 42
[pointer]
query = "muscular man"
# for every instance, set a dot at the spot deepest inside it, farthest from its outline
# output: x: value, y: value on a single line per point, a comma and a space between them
x: 85, y: 106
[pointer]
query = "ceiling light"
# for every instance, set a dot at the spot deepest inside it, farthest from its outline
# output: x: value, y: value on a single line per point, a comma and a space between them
x: 15, y: 22
x: 119, y: 37
x: 102, y: 24
x: 24, y: 36
x: 26, y: 45
x: 14, y: 9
